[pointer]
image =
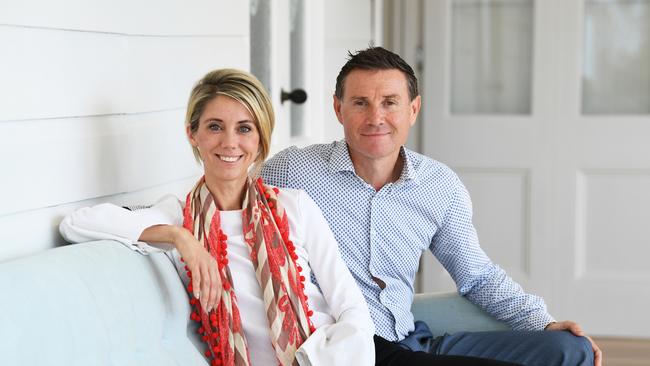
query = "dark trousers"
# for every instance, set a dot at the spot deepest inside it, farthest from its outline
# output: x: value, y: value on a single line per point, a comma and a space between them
x: 543, y: 348
x: 389, y: 353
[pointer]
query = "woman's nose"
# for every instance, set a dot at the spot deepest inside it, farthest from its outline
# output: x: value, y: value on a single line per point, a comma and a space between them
x: 229, y: 139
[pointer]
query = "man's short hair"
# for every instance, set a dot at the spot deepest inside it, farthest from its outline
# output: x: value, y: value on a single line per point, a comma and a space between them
x: 376, y: 58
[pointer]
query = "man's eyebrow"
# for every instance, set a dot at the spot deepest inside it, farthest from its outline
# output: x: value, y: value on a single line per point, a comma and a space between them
x: 392, y: 96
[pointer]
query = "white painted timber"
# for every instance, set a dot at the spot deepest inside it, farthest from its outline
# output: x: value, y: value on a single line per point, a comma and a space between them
x: 53, y: 74
x: 146, y: 17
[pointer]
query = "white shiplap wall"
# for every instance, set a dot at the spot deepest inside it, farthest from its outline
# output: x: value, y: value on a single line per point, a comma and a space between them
x: 92, y: 99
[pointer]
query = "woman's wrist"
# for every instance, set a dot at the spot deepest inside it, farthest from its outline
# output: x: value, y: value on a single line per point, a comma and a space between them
x: 178, y: 236
x: 165, y: 234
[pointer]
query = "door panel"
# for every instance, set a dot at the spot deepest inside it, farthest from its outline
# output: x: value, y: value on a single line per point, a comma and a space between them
x: 560, y: 195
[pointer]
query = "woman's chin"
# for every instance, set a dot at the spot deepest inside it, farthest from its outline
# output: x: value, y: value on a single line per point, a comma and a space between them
x: 223, y: 175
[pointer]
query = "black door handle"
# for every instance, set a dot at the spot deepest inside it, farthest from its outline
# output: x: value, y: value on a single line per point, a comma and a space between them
x: 297, y: 96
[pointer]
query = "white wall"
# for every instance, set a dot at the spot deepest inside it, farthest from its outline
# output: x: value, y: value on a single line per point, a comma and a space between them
x: 92, y: 97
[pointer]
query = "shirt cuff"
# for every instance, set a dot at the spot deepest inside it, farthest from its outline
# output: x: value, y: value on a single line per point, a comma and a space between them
x: 340, y: 343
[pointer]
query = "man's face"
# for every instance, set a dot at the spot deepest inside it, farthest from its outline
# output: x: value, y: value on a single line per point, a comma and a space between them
x: 376, y: 113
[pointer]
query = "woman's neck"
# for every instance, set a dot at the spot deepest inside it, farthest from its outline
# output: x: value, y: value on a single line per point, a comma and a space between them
x: 228, y: 195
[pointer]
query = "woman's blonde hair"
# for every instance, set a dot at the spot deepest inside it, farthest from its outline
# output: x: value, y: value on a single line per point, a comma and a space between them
x: 242, y: 87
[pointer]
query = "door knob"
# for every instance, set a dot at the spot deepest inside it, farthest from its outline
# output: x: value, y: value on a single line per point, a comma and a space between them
x: 297, y: 96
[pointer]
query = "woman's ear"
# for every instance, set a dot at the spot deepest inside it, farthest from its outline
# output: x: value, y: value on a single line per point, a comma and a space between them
x: 190, y: 136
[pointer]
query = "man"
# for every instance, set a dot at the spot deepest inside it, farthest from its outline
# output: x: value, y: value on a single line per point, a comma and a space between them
x: 386, y: 205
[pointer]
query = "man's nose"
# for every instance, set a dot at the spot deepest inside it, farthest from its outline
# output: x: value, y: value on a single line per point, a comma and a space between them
x: 375, y: 115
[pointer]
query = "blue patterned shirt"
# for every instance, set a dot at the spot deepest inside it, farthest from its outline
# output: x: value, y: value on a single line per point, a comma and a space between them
x: 383, y: 233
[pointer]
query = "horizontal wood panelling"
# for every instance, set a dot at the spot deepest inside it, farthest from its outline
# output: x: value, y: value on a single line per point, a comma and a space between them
x: 50, y: 162
x: 151, y: 17
x: 92, y: 102
x: 53, y: 74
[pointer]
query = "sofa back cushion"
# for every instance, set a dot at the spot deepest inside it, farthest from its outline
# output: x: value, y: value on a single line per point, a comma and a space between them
x: 96, y: 303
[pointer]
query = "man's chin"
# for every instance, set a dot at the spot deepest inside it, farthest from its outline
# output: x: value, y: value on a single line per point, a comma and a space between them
x: 376, y: 152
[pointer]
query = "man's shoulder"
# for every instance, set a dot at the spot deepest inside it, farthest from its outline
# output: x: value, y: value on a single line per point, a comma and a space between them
x: 310, y: 153
x: 429, y: 169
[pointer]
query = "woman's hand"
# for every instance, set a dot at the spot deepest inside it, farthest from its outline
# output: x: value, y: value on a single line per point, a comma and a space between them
x: 205, y: 279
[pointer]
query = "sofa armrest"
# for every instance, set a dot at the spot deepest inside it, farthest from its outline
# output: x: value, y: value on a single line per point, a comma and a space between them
x: 448, y: 312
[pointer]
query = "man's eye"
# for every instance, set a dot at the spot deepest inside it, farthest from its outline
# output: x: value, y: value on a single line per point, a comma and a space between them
x: 360, y: 103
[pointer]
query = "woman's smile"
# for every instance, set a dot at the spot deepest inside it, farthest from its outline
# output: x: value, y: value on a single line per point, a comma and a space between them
x: 229, y: 158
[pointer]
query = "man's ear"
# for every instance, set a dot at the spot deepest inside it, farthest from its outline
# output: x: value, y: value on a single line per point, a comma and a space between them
x: 337, y: 108
x: 415, y: 106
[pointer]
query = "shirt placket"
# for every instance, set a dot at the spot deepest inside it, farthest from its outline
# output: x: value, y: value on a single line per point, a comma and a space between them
x: 378, y: 200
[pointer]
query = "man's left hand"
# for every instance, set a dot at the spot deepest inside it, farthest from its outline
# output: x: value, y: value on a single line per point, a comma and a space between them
x: 575, y: 328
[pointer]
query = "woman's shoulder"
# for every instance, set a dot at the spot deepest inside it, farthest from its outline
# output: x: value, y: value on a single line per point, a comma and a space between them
x: 169, y: 202
x: 295, y: 197
x: 289, y: 193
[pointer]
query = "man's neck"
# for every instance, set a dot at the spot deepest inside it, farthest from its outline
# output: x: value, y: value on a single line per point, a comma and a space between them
x: 378, y: 172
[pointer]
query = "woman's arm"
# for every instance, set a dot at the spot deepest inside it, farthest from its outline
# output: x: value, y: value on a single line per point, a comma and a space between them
x: 160, y: 225
x: 350, y: 339
x: 108, y: 221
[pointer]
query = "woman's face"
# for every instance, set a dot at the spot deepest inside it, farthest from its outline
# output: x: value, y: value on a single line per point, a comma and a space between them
x: 227, y: 139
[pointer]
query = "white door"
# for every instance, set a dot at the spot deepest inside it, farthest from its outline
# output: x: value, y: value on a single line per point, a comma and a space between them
x: 543, y: 108
x: 284, y: 52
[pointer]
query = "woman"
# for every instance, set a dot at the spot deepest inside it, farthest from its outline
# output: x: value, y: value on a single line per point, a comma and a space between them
x: 248, y: 249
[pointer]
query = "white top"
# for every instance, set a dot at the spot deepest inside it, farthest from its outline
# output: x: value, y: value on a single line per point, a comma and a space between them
x: 345, y: 330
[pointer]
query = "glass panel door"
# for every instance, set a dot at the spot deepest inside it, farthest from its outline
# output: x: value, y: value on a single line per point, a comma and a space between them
x: 491, y: 56
x: 616, y: 60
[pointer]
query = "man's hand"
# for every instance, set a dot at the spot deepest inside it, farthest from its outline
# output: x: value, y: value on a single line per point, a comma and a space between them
x: 575, y: 328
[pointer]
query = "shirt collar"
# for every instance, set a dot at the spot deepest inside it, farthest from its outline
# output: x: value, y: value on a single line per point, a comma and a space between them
x: 340, y: 161
x: 408, y: 171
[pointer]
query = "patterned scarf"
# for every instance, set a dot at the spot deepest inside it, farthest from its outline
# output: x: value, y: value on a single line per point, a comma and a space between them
x: 266, y: 231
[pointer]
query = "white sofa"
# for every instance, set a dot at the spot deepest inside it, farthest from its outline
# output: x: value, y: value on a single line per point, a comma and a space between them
x: 100, y: 303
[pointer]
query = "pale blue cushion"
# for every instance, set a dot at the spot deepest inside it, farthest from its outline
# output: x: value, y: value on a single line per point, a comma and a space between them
x: 97, y: 303
x: 448, y: 312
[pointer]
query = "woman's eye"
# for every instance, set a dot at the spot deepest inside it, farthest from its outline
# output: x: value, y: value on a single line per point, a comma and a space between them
x: 214, y: 127
x: 245, y: 129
